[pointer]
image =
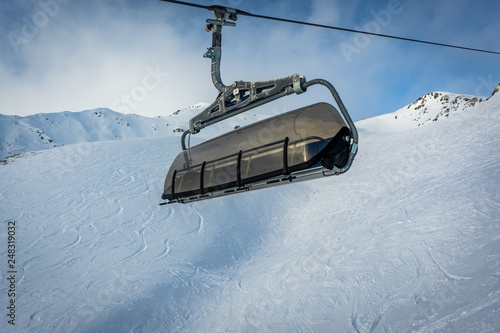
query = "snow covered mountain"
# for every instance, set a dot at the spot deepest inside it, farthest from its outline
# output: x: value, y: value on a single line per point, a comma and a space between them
x: 40, y: 131
x: 426, y: 109
x: 407, y: 241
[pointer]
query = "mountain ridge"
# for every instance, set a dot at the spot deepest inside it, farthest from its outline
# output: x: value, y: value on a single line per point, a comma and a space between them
x: 426, y: 109
x: 48, y: 130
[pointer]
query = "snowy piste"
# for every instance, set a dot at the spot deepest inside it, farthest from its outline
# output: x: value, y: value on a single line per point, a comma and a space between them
x: 407, y: 241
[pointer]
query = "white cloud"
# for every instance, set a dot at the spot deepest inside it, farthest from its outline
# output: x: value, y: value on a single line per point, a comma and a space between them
x: 325, y: 12
x: 82, y: 62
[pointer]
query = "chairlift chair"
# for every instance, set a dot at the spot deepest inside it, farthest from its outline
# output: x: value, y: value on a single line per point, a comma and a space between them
x: 303, y: 144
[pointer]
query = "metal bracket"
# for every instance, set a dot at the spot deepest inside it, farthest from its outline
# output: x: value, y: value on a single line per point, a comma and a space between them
x: 242, y: 96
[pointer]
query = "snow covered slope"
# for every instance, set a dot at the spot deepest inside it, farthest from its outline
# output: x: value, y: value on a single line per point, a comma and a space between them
x: 407, y: 240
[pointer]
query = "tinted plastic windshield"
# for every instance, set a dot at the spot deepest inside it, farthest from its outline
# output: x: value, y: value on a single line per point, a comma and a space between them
x: 268, y: 148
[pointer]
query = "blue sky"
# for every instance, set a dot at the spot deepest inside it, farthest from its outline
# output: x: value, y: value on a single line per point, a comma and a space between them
x: 145, y: 57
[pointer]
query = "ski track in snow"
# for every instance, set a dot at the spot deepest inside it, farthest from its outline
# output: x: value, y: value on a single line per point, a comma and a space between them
x: 408, y: 240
